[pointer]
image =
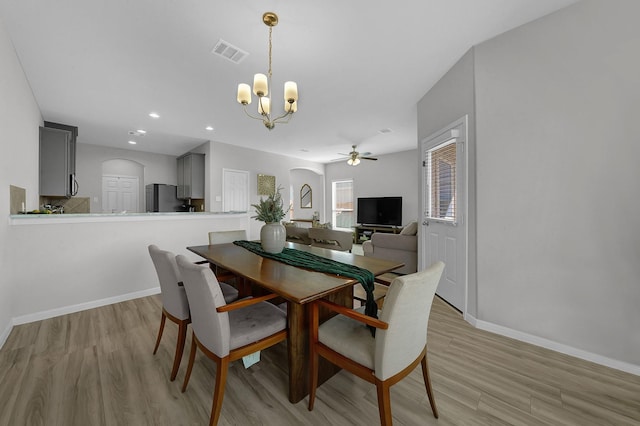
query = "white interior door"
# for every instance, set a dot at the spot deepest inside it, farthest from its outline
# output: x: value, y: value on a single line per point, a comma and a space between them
x: 119, y: 193
x: 235, y: 190
x: 444, y: 204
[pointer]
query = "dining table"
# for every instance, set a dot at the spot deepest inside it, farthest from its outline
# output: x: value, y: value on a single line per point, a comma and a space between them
x: 299, y: 287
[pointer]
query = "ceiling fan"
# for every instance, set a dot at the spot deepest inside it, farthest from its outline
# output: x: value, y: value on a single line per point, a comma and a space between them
x: 354, y: 157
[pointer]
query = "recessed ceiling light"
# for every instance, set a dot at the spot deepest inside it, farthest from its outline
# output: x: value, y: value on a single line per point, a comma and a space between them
x: 209, y: 128
x: 133, y: 142
x: 154, y: 115
x: 142, y: 132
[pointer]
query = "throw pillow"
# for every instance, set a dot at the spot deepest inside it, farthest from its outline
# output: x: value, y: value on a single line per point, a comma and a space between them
x: 410, y: 229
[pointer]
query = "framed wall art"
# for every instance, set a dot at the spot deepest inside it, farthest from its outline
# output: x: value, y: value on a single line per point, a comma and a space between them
x: 266, y: 184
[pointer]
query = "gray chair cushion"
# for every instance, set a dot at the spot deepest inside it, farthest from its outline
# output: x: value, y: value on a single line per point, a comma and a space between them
x: 255, y: 322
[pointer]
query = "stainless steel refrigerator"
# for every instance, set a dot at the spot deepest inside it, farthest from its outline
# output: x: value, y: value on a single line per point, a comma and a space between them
x: 163, y: 198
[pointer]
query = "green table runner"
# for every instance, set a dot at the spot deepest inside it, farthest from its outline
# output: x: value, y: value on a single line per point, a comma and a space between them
x: 304, y: 259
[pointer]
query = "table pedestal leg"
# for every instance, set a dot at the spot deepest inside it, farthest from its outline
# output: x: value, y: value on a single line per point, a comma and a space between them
x: 298, y: 345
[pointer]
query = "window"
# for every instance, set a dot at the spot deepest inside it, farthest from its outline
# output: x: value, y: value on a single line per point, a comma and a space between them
x: 441, y: 162
x: 342, y: 211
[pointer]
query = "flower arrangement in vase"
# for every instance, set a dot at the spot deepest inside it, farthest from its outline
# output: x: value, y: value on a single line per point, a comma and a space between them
x: 271, y: 211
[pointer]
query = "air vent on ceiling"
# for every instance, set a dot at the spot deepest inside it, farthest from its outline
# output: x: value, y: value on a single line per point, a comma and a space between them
x: 229, y: 51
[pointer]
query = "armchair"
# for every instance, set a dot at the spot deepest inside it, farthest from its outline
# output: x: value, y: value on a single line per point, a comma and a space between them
x: 401, y: 247
x: 399, y: 345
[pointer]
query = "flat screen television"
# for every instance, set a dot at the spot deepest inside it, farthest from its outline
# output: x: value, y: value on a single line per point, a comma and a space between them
x: 385, y: 211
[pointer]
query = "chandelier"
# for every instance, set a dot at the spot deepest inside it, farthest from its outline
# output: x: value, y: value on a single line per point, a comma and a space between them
x: 261, y: 85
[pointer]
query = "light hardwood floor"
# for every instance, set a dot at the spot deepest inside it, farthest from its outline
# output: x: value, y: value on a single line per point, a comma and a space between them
x: 96, y: 368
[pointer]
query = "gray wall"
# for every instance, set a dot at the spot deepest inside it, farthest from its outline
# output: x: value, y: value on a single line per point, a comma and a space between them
x: 158, y: 168
x: 19, y: 121
x: 299, y: 177
x: 450, y: 99
x: 392, y: 175
x: 557, y: 210
x: 255, y: 162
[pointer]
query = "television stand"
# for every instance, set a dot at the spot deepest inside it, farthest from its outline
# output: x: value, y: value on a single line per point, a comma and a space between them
x: 364, y: 232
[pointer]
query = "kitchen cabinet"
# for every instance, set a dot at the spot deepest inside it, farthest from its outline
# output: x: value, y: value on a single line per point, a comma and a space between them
x: 191, y: 176
x: 57, y: 160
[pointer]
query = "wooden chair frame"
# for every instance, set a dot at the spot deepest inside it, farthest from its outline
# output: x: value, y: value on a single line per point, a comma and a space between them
x: 182, y: 336
x: 222, y: 363
x: 382, y: 386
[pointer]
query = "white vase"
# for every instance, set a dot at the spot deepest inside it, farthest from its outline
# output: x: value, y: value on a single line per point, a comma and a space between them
x: 273, y: 237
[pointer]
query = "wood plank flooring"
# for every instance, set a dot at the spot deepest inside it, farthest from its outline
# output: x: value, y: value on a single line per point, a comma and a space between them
x: 96, y: 368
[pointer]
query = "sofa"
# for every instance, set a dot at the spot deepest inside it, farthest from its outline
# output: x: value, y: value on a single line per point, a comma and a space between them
x: 401, y: 247
x: 320, y: 237
x: 297, y: 234
x: 331, y: 239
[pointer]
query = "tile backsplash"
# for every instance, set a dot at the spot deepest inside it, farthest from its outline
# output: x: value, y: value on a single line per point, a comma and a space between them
x: 17, y: 199
x: 69, y: 205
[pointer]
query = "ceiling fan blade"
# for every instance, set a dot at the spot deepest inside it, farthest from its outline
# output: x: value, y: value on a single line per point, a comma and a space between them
x: 368, y: 158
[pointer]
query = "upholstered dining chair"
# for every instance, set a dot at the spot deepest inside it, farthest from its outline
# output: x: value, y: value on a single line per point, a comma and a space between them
x: 174, y: 300
x: 400, y: 341
x: 225, y: 333
x: 223, y: 237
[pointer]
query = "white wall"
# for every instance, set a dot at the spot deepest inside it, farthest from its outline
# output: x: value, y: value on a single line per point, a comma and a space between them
x: 19, y: 121
x: 158, y: 168
x: 557, y: 210
x: 78, y: 264
x: 392, y: 175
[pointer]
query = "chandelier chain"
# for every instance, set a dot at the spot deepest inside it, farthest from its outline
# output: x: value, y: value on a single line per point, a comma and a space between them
x: 270, y: 31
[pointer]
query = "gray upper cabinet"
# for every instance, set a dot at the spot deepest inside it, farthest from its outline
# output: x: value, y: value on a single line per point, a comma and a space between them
x: 57, y: 161
x: 191, y: 176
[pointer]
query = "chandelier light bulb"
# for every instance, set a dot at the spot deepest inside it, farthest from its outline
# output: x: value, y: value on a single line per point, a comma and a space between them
x: 264, y: 106
x: 290, y: 91
x: 244, y: 94
x: 260, y: 85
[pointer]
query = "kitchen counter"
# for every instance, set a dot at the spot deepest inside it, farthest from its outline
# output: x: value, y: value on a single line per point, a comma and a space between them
x: 45, y: 219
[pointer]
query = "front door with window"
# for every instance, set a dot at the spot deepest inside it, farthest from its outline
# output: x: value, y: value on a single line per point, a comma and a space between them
x: 444, y: 228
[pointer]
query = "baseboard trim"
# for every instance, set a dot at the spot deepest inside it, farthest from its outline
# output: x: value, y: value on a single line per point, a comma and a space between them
x: 554, y: 346
x: 5, y: 334
x: 38, y: 316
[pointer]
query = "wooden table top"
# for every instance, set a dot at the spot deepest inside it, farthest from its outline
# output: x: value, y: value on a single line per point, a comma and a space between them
x: 292, y: 283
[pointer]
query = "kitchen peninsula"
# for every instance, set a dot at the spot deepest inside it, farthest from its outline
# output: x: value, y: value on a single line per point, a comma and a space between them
x: 89, y: 260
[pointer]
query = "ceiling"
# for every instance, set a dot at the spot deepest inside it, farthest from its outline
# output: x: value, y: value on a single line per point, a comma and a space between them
x: 361, y: 66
